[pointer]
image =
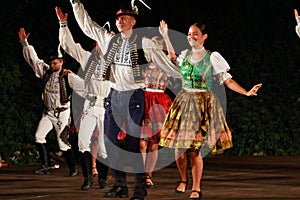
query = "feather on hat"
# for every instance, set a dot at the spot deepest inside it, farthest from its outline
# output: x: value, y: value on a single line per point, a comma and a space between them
x: 55, y: 54
x: 131, y: 9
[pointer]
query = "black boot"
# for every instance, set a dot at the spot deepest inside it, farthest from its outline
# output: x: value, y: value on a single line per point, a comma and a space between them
x: 139, y: 192
x: 45, y: 159
x: 71, y: 161
x: 102, y: 169
x: 120, y: 189
x: 117, y: 191
x: 86, y: 165
x: 140, y: 188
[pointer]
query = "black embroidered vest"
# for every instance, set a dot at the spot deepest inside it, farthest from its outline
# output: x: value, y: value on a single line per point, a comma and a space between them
x: 138, y: 60
x: 65, y: 89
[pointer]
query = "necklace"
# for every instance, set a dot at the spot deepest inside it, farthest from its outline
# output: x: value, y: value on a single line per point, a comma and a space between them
x: 194, y: 58
x: 198, y: 50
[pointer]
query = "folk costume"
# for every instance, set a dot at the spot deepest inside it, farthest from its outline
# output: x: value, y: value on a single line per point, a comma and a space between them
x: 125, y: 99
x: 56, y: 97
x: 157, y: 102
x: 124, y: 65
x: 156, y: 80
x: 196, y: 120
x: 95, y: 91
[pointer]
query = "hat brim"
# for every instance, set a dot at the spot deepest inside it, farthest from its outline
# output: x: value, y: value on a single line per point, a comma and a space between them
x: 122, y: 12
x: 51, y: 58
x: 132, y: 15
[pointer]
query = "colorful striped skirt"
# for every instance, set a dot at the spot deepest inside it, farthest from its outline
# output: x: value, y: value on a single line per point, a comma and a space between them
x: 196, y: 121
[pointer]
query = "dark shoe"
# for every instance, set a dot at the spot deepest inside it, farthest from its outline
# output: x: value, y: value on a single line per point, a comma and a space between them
x: 178, y: 192
x: 102, y: 183
x: 149, y: 182
x: 199, y: 195
x: 139, y: 193
x: 73, y: 172
x: 43, y: 170
x: 117, y: 191
x: 87, y: 184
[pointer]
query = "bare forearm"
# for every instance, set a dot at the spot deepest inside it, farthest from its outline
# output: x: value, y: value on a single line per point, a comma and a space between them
x: 170, y: 48
x: 234, y: 86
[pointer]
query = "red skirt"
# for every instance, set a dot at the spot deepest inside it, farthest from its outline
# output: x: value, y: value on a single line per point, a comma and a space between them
x: 157, y: 104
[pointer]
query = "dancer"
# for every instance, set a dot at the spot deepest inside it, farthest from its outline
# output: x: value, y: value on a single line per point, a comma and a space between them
x: 125, y: 90
x: 124, y: 63
x: 56, y: 96
x: 95, y: 92
x: 157, y: 105
x: 195, y: 120
x: 298, y: 22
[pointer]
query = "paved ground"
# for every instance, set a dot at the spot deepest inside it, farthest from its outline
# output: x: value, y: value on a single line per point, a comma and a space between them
x: 224, y: 178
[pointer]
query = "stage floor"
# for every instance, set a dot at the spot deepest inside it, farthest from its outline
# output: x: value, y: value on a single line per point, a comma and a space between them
x: 225, y: 177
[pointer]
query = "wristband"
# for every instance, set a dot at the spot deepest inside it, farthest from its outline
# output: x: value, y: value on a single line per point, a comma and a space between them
x: 24, y: 43
x: 74, y: 1
x: 298, y: 19
x: 63, y: 24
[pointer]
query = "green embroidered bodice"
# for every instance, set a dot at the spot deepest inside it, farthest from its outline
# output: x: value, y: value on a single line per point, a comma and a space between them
x: 197, y: 75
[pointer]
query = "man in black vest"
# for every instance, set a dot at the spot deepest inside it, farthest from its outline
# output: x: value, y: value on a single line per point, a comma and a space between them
x: 56, y: 97
x: 124, y: 63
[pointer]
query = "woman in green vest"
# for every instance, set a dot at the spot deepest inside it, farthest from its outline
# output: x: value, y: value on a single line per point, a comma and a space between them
x: 195, y: 124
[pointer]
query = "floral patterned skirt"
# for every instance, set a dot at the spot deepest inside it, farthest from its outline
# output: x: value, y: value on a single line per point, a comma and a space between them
x: 157, y: 105
x: 197, y: 122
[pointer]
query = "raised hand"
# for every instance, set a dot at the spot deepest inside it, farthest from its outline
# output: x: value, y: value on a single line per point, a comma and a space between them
x: 163, y: 28
x: 60, y: 15
x: 296, y: 13
x: 22, y: 34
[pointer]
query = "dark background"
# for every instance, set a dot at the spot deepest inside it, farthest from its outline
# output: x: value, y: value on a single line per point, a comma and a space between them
x: 256, y: 37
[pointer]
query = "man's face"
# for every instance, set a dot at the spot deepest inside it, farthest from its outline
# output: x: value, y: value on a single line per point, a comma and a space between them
x: 56, y: 64
x: 125, y: 22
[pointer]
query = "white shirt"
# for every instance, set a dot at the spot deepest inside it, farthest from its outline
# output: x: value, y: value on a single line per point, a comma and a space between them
x: 51, y: 93
x: 298, y: 26
x: 121, y: 75
x: 95, y: 86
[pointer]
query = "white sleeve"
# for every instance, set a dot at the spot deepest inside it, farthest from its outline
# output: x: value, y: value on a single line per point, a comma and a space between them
x: 220, y: 67
x: 38, y: 66
x: 181, y: 56
x: 77, y: 84
x: 91, y: 28
x: 154, y: 54
x: 298, y: 26
x: 73, y: 49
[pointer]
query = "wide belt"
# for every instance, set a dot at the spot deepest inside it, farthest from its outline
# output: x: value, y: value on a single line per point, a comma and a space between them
x: 57, y: 111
